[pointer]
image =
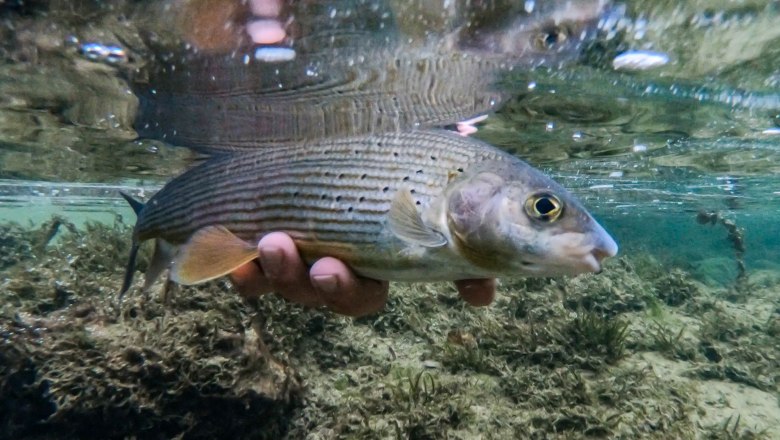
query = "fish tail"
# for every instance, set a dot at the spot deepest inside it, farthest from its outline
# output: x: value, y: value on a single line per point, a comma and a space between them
x: 137, y: 206
x: 129, y: 271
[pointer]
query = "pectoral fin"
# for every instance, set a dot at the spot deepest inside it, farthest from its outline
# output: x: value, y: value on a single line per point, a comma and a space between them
x: 210, y: 253
x: 405, y: 222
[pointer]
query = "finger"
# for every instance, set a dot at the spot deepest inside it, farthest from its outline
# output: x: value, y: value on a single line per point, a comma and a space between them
x: 250, y: 281
x: 266, y: 31
x: 285, y: 270
x: 345, y: 293
x: 477, y: 293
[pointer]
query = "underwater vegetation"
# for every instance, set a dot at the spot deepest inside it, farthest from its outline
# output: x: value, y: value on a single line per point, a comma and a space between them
x: 736, y: 237
x: 639, y: 351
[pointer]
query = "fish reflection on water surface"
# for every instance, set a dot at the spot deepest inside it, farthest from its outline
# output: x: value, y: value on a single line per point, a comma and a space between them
x: 418, y: 206
x: 358, y: 68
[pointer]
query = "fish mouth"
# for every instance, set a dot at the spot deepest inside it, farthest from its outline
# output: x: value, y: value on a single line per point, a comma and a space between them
x: 575, y: 254
x: 592, y: 263
x: 588, y: 260
x: 604, y: 248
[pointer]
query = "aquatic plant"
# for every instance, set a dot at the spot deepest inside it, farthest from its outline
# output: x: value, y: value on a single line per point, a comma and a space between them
x: 593, y: 334
x: 668, y: 342
x: 719, y: 325
x: 730, y: 429
x: 675, y: 288
x: 526, y: 367
x: 622, y: 292
x: 78, y: 368
x: 736, y: 237
x: 413, y: 389
x: 772, y: 326
x: 654, y: 308
x: 18, y: 243
x: 459, y: 357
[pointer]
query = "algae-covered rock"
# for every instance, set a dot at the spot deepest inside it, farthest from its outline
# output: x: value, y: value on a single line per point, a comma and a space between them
x: 76, y: 364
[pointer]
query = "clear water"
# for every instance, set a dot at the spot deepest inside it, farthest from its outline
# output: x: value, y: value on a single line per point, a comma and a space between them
x: 646, y: 150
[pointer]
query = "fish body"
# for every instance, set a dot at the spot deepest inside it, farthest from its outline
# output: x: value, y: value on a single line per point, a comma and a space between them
x: 416, y: 206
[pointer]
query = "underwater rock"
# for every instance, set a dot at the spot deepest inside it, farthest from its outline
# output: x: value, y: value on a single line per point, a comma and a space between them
x: 675, y: 288
x: 72, y: 363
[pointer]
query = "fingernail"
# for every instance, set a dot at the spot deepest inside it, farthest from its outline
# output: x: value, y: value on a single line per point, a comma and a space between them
x: 326, y: 283
x: 272, y: 259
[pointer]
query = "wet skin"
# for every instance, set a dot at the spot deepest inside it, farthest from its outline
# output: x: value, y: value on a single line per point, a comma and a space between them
x: 329, y: 282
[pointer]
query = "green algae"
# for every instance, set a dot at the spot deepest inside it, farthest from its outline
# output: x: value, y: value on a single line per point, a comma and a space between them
x: 74, y: 364
x: 596, y: 356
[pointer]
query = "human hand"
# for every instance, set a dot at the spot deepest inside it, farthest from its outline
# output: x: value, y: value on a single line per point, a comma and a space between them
x: 329, y: 282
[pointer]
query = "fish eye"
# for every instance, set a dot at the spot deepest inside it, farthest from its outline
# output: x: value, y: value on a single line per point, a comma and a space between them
x: 544, y: 206
x: 550, y: 37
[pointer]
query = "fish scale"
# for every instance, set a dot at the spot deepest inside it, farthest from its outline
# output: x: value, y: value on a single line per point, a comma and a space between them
x: 338, y: 190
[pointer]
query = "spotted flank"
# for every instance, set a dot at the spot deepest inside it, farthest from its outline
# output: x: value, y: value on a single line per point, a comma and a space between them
x: 416, y: 206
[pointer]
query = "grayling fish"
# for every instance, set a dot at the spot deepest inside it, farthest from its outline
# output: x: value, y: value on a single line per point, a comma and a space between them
x: 415, y: 206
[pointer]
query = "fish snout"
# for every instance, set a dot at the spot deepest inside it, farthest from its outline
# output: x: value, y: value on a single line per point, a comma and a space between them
x: 605, y: 250
x: 604, y: 247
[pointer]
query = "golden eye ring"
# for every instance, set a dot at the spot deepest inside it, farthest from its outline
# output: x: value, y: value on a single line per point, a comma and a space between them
x: 544, y: 207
